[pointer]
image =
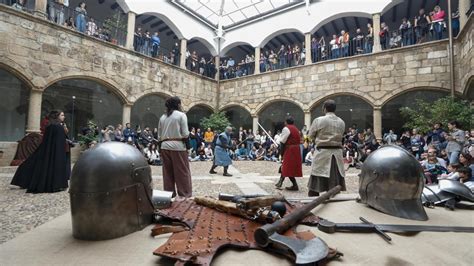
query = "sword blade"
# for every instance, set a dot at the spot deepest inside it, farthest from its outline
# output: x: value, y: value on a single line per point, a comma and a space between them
x: 399, y: 228
x: 424, y: 228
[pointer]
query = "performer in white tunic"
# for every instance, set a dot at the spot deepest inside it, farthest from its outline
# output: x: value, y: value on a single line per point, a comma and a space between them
x: 328, y: 167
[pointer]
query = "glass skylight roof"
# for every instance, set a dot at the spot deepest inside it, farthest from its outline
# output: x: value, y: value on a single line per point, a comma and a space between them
x: 234, y: 11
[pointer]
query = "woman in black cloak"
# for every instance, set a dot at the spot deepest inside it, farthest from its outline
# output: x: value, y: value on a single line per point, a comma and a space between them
x: 49, y: 167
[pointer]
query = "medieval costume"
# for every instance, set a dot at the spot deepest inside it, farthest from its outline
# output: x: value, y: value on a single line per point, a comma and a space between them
x: 49, y: 167
x: 173, y: 132
x: 291, y: 165
x: 328, y: 166
x: 221, y: 155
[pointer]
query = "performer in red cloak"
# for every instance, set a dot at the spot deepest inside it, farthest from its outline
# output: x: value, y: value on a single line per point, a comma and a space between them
x: 292, y: 162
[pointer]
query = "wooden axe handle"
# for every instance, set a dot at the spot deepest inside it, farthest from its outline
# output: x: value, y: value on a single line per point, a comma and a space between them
x: 263, y: 233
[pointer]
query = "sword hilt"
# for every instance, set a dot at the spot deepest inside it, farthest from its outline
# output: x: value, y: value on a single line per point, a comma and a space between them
x: 378, y: 230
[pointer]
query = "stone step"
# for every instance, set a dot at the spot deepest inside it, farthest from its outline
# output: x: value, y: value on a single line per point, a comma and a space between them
x: 8, y: 169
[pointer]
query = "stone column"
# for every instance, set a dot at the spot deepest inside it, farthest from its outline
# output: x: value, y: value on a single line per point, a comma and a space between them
x: 40, y: 8
x: 182, y: 53
x: 257, y: 60
x: 127, y: 113
x: 307, y: 119
x: 378, y: 123
x: 255, y: 123
x: 34, y: 111
x: 130, y: 30
x: 218, y: 63
x: 307, y: 45
x: 464, y: 6
x: 376, y: 28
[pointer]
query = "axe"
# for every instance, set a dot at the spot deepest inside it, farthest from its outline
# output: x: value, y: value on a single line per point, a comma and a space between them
x: 305, y: 251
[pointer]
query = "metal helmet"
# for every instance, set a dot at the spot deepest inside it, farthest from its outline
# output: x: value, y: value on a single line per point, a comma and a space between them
x: 110, y: 192
x: 445, y: 190
x: 391, y: 181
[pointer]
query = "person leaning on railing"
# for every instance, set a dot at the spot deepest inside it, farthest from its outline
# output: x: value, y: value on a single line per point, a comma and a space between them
x: 20, y: 5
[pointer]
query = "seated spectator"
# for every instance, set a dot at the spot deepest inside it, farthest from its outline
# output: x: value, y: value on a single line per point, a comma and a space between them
x: 253, y: 154
x: 308, y: 160
x: 201, y: 152
x: 433, y: 167
x: 209, y: 152
x: 242, y: 153
x: 465, y: 174
x: 260, y: 154
x: 436, y: 137
x: 465, y: 159
x: 152, y: 154
x: 452, y: 172
x: 272, y: 153
x: 350, y: 154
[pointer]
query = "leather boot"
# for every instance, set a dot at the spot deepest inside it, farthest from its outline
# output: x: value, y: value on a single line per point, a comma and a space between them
x: 225, y: 171
x: 212, y: 171
x: 312, y: 193
x: 280, y: 182
x: 294, y: 187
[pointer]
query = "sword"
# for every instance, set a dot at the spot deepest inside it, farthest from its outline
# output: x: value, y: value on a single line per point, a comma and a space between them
x: 266, y: 133
x: 368, y: 227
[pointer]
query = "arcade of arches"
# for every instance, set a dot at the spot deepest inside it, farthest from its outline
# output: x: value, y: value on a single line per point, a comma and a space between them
x: 86, y: 100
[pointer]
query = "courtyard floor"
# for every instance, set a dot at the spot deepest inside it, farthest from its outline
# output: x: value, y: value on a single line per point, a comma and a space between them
x: 36, y: 228
x: 20, y: 212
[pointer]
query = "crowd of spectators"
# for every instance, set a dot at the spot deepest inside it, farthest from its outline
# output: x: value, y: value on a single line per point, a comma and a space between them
x: 442, y: 153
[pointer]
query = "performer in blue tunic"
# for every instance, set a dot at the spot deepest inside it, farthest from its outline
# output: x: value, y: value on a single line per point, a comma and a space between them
x: 221, y: 156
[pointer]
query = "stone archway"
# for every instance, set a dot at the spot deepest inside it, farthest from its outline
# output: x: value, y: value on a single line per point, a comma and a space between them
x: 196, y: 113
x: 273, y: 115
x: 238, y: 116
x: 352, y: 109
x: 147, y: 110
x: 391, y: 116
x: 14, y: 108
x: 82, y: 101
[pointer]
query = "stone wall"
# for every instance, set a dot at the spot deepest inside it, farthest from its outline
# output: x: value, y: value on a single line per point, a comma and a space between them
x: 464, y: 57
x: 41, y: 53
x: 375, y: 78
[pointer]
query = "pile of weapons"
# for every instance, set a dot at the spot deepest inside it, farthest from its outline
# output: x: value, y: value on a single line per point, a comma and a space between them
x: 271, y: 210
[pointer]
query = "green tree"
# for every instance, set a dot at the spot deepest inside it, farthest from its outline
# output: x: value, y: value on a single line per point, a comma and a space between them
x: 443, y: 110
x: 217, y: 121
x: 90, y: 135
x: 116, y: 25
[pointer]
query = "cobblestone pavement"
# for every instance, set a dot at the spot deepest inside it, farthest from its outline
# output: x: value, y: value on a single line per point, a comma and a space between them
x: 21, y: 212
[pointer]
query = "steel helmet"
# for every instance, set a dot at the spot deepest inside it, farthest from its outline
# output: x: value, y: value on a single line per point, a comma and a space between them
x: 110, y: 192
x: 392, y: 181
